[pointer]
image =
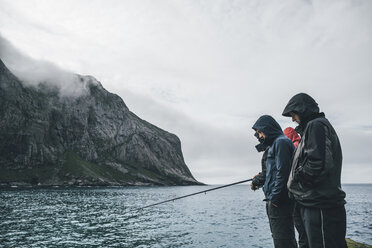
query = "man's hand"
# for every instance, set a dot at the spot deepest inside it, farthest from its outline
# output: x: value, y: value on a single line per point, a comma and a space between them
x: 253, y: 186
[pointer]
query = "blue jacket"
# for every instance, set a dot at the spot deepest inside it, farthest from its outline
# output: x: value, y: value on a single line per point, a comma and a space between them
x: 279, y: 159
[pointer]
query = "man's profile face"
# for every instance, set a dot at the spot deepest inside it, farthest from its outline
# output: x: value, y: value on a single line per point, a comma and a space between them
x: 295, y: 118
x: 261, y: 135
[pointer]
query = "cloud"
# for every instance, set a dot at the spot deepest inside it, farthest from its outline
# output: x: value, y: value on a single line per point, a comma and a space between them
x: 214, y: 154
x: 206, y: 70
x: 217, y: 153
x: 33, y: 72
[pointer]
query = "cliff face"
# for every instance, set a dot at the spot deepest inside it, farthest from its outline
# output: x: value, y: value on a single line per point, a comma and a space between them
x: 92, y: 139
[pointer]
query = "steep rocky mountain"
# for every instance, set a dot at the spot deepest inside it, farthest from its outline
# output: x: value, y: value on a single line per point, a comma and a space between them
x: 92, y: 139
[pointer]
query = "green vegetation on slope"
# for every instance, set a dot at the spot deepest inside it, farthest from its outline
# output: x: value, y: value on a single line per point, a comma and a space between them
x: 28, y: 175
x: 76, y: 171
x: 76, y: 166
x: 353, y: 244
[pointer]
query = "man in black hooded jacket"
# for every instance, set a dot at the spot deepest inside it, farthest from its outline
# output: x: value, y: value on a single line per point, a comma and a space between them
x: 315, y: 178
x: 279, y: 207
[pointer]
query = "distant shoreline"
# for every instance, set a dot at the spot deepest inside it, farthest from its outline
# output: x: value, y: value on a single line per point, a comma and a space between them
x: 3, y: 186
x: 356, y: 184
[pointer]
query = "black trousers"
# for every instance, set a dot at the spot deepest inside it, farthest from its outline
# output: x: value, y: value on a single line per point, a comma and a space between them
x: 281, y: 224
x: 325, y: 228
x: 302, y: 238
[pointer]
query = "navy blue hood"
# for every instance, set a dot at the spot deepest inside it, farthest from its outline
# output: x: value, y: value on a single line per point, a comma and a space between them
x: 269, y: 126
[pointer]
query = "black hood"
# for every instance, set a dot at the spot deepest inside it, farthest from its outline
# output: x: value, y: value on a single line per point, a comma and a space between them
x: 303, y: 105
x: 269, y: 126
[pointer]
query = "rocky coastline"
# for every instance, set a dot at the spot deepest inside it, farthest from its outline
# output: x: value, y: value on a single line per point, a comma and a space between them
x: 91, y: 139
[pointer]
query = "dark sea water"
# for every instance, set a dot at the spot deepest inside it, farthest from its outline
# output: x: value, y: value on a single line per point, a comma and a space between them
x: 107, y: 217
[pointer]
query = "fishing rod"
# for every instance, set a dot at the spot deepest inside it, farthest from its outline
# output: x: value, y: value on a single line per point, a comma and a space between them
x: 200, y: 192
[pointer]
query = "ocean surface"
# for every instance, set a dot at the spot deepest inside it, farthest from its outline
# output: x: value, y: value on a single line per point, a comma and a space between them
x: 107, y: 217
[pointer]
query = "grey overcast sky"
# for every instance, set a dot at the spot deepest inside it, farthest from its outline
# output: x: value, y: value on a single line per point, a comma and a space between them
x: 206, y: 70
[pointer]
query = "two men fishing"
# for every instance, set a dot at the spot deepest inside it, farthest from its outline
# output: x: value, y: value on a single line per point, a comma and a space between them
x: 308, y: 177
x: 302, y: 185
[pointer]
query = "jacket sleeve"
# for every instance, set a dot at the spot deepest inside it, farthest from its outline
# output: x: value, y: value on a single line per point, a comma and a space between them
x: 314, y: 154
x: 260, y: 179
x: 283, y: 161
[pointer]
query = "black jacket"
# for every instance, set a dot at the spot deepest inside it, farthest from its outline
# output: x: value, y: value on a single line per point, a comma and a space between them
x: 315, y: 178
x: 259, y: 180
x: 278, y: 161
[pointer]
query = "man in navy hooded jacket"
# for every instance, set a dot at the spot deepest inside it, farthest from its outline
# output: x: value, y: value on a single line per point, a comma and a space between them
x: 279, y: 207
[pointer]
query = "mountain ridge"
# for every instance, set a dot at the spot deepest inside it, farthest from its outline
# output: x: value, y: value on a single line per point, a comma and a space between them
x: 90, y: 139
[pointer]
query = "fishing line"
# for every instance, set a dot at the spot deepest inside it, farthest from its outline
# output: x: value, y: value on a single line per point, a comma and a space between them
x: 200, y: 192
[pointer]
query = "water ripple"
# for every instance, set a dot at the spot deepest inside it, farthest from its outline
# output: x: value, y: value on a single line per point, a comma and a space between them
x: 108, y: 217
